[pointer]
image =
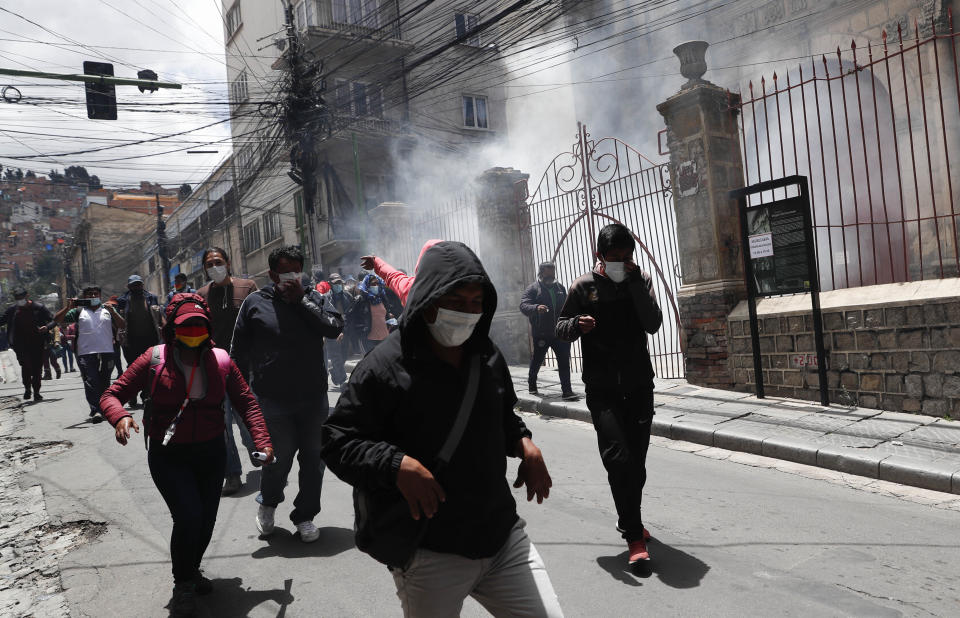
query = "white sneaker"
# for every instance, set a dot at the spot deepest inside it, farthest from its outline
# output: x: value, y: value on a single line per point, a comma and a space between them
x: 265, y: 519
x: 308, y: 532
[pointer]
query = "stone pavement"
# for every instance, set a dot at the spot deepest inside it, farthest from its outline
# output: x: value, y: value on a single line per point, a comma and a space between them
x: 911, y: 449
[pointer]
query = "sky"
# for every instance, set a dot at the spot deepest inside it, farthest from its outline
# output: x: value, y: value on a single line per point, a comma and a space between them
x: 182, y: 40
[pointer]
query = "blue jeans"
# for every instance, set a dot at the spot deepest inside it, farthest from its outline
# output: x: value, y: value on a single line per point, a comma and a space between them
x: 233, y: 456
x: 294, y: 427
x: 95, y: 370
x: 336, y: 352
x: 66, y: 353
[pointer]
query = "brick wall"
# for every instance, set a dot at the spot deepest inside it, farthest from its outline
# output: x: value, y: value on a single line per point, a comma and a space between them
x: 901, y: 355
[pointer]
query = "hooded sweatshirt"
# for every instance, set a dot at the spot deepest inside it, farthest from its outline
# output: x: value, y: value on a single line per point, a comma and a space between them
x: 615, y: 353
x: 402, y: 400
x: 396, y: 280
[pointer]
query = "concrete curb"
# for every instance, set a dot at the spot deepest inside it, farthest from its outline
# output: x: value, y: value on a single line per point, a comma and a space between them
x: 938, y: 474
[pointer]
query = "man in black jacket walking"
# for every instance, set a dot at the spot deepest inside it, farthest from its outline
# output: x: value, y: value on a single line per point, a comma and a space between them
x: 541, y: 303
x: 278, y: 346
x: 391, y: 422
x: 27, y: 326
x: 612, y: 309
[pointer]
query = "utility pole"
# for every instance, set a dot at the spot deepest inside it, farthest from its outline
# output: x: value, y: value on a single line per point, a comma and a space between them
x: 162, y: 249
x: 301, y: 112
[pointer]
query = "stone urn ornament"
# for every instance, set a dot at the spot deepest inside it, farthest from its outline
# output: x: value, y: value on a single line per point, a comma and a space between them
x: 693, y: 61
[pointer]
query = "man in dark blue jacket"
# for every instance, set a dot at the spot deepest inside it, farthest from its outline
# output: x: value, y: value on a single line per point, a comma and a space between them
x: 541, y: 303
x: 385, y: 436
x: 278, y: 346
x: 27, y: 326
x: 140, y: 309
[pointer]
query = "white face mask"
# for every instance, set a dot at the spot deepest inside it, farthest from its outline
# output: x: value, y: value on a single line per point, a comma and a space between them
x: 22, y: 302
x: 374, y: 289
x: 615, y: 270
x: 452, y: 328
x: 289, y: 277
x: 217, y: 273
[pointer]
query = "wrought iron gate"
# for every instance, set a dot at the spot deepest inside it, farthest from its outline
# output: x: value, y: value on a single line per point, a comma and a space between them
x: 606, y: 181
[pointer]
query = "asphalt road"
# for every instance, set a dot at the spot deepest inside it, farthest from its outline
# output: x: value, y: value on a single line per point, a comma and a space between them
x: 731, y: 539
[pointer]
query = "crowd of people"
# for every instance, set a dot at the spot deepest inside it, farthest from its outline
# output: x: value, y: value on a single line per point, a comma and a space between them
x: 422, y: 429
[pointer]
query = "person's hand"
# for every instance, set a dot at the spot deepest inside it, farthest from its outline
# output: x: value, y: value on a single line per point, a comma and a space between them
x: 533, y: 472
x: 291, y: 291
x: 72, y: 303
x: 122, y: 429
x: 543, y: 309
x: 421, y: 491
x: 586, y: 323
x: 270, y: 457
x: 340, y: 337
x: 42, y: 330
x: 366, y: 262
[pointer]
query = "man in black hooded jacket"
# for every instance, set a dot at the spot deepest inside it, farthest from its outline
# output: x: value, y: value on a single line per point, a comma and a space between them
x: 541, y: 303
x: 394, y: 417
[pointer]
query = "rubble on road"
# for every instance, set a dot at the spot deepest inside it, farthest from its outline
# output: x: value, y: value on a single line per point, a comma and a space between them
x: 30, y: 545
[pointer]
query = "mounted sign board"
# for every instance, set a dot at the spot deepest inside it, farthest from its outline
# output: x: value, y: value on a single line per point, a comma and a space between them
x: 779, y: 241
x: 779, y: 257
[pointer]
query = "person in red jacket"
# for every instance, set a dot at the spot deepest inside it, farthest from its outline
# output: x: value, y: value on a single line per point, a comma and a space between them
x: 395, y: 279
x: 187, y: 382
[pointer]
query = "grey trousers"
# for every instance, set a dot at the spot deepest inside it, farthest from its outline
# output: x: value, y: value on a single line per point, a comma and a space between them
x: 513, y: 582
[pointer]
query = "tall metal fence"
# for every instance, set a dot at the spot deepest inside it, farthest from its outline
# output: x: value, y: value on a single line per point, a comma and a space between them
x: 453, y: 218
x: 875, y: 128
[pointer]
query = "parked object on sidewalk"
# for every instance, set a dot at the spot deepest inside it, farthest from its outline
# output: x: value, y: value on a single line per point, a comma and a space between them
x: 278, y: 342
x: 97, y: 326
x: 426, y: 489
x: 611, y: 310
x: 186, y: 380
x: 28, y: 323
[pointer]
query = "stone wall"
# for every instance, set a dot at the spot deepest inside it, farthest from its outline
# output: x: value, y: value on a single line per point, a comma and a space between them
x: 892, y: 347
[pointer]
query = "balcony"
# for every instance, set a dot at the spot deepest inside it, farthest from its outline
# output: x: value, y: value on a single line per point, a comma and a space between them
x: 344, y: 124
x: 359, y: 32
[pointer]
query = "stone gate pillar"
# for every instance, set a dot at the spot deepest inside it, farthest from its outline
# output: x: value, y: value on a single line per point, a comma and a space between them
x: 506, y: 251
x: 705, y: 163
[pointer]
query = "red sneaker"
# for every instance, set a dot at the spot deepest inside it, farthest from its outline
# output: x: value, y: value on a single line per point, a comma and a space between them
x: 646, y: 533
x: 638, y: 552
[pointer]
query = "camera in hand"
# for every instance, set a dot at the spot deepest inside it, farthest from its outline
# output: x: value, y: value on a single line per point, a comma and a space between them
x: 84, y: 302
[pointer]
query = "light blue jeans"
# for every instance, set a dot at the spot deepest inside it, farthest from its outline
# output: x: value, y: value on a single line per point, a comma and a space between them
x: 233, y: 456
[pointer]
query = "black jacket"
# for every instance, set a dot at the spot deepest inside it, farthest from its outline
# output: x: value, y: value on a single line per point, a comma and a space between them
x: 543, y: 325
x: 615, y: 353
x: 358, y: 320
x: 401, y: 399
x: 41, y: 317
x: 278, y: 346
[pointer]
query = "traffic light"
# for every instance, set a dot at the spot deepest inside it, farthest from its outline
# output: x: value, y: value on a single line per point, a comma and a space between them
x: 101, y: 98
x: 147, y: 74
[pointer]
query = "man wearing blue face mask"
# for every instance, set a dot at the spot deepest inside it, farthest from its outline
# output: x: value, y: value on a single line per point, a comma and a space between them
x: 278, y: 346
x: 342, y: 303
x: 97, y: 325
x: 432, y: 502
x: 611, y: 310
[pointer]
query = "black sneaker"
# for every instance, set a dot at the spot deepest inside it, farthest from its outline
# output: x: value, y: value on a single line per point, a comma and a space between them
x: 96, y: 417
x: 570, y: 396
x: 26, y: 394
x: 184, y: 601
x: 533, y: 390
x: 202, y: 584
x: 37, y: 397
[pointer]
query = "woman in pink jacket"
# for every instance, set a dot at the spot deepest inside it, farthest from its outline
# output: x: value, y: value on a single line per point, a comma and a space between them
x: 187, y: 380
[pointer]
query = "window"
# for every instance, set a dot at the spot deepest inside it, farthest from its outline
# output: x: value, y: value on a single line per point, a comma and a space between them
x: 251, y: 237
x: 233, y: 19
x: 152, y: 264
x: 358, y: 99
x: 306, y: 11
x: 238, y: 89
x: 271, y: 225
x: 465, y: 23
x: 357, y: 12
x: 475, y: 112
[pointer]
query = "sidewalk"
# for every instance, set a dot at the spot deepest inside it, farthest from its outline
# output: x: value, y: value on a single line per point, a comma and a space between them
x: 910, y: 449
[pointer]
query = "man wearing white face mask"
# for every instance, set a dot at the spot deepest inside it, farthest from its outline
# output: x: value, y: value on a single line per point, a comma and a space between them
x: 278, y: 346
x: 27, y: 326
x: 423, y: 432
x: 611, y: 310
x: 224, y: 295
x: 97, y: 326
